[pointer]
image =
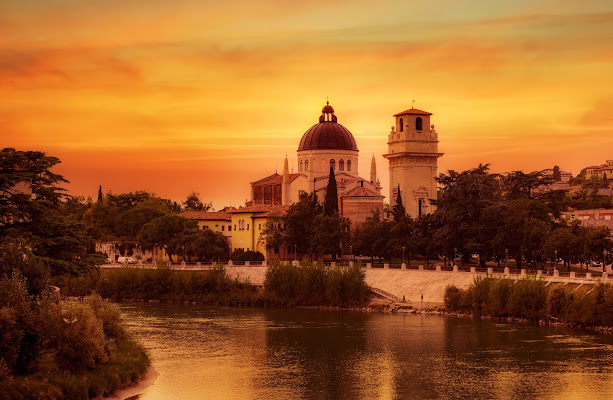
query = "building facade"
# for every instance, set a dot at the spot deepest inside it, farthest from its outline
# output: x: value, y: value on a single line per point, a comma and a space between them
x: 413, y: 161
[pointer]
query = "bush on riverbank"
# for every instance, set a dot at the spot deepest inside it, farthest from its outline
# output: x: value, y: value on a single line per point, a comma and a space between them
x: 74, y: 351
x: 286, y: 285
x: 531, y: 300
x: 312, y: 283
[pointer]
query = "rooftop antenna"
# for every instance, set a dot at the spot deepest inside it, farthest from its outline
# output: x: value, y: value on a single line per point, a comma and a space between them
x: 413, y: 106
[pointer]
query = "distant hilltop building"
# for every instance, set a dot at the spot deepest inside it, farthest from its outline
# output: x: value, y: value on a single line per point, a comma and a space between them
x: 600, y: 171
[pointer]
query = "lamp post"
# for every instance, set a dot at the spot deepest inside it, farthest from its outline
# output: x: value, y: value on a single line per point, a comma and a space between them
x: 295, y: 252
x: 351, y: 251
x: 604, y: 259
x: 506, y: 257
x: 403, y: 254
x: 455, y: 254
x: 555, y: 255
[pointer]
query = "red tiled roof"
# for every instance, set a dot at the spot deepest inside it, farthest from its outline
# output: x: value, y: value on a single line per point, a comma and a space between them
x: 273, y: 179
x: 361, y: 191
x: 276, y: 212
x: 413, y: 111
x: 256, y: 208
x: 206, y: 215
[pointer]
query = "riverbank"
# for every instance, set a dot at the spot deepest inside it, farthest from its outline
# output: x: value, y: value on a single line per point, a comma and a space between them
x: 136, y: 388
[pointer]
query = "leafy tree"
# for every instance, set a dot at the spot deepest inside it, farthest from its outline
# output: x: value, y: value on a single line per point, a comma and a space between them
x: 372, y: 238
x: 241, y: 255
x: 521, y: 185
x: 398, y: 211
x: 299, y: 227
x: 274, y: 235
x: 331, y: 200
x: 564, y: 242
x: 205, y: 245
x: 32, y: 206
x: 193, y: 203
x: 329, y: 234
x: 463, y: 198
x: 162, y: 231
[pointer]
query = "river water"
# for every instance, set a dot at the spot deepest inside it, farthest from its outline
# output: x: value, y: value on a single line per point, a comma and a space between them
x: 205, y: 352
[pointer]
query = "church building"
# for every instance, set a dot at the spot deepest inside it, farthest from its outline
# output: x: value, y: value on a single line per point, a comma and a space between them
x: 325, y: 145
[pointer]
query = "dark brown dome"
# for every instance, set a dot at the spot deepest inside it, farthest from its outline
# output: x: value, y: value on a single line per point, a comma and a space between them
x: 328, y: 134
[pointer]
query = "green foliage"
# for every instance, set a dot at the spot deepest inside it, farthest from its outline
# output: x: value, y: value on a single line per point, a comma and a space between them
x: 398, y: 210
x: 110, y: 317
x: 15, y: 255
x: 203, y: 245
x: 249, y: 255
x: 298, y: 223
x: 331, y: 200
x: 80, y: 340
x: 162, y: 232
x: 330, y: 232
x: 312, y: 283
x: 453, y: 298
x: 193, y: 203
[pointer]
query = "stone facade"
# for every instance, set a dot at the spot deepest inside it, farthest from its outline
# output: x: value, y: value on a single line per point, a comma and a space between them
x: 413, y: 161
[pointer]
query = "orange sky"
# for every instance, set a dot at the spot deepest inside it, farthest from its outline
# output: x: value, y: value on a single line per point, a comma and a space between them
x: 182, y: 96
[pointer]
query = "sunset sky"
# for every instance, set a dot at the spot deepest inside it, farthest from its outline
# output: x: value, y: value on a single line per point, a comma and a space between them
x: 181, y: 96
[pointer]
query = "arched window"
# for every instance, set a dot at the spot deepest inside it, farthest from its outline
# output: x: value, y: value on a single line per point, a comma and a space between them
x: 348, y: 165
x: 418, y: 124
x: 306, y: 165
x: 341, y: 165
x: 401, y: 125
x: 300, y: 166
x: 333, y: 165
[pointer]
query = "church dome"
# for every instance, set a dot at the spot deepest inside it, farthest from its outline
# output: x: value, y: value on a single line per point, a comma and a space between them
x: 327, y: 134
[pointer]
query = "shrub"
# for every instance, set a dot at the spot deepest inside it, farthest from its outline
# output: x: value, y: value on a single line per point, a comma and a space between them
x: 110, y: 316
x: 498, y: 297
x: 80, y: 340
x: 528, y: 299
x: 558, y: 301
x: 477, y: 294
x: 453, y: 298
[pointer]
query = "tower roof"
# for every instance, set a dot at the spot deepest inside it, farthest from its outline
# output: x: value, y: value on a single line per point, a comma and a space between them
x: 413, y: 111
x: 327, y: 134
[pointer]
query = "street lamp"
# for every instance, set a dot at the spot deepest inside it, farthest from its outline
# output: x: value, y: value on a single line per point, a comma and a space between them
x: 351, y: 251
x: 555, y: 254
x: 403, y: 254
x: 604, y: 259
x: 295, y: 252
x: 455, y: 254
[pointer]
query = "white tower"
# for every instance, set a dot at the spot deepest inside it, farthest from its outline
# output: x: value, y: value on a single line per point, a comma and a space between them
x: 413, y: 154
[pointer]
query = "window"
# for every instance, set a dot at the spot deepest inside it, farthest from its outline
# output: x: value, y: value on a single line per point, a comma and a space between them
x: 223, y: 228
x: 333, y: 165
x: 300, y: 166
x: 247, y: 226
x: 401, y: 129
x: 348, y: 165
x: 341, y: 165
x: 306, y: 165
x: 260, y: 227
x: 230, y: 228
x: 418, y: 124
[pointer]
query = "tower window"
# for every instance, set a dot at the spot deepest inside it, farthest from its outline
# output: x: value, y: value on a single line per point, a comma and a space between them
x: 348, y: 165
x: 418, y: 124
x: 333, y: 165
x: 306, y: 165
x: 401, y: 129
x: 341, y: 165
x: 300, y: 166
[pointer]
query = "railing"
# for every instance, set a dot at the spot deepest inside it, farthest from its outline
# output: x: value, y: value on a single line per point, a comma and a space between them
x: 385, y: 294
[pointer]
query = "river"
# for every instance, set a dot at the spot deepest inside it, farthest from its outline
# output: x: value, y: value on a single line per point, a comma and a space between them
x: 206, y: 352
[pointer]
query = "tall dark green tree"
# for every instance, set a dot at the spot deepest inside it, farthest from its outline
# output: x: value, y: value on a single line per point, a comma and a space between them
x: 298, y: 222
x: 100, y: 197
x: 398, y: 210
x: 331, y: 201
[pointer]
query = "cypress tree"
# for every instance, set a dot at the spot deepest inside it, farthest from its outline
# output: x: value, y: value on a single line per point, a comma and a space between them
x: 331, y: 201
x: 100, y: 198
x: 398, y: 210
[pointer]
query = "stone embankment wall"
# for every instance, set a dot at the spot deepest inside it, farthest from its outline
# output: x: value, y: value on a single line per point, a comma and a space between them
x: 410, y: 283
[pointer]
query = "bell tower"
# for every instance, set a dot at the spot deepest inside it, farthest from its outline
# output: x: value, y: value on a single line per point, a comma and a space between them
x: 413, y: 156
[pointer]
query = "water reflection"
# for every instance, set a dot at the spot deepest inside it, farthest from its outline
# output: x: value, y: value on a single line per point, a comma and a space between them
x: 222, y: 353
